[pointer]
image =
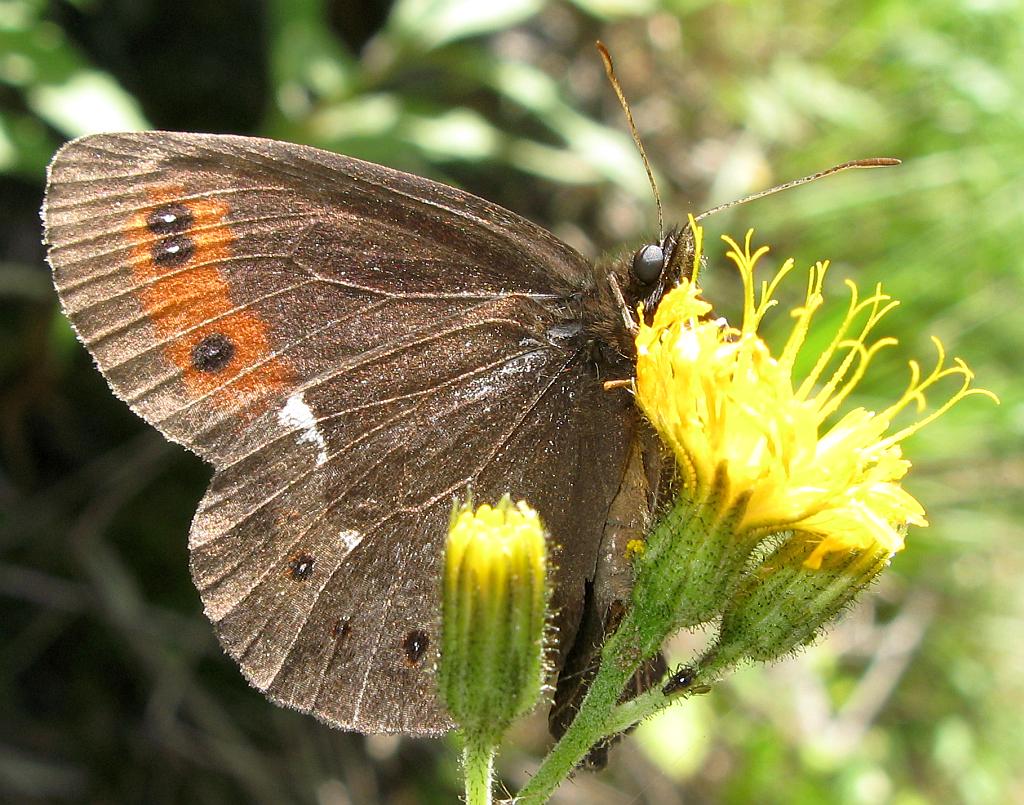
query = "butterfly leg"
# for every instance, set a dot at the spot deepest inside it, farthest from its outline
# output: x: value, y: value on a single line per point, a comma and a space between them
x: 627, y: 314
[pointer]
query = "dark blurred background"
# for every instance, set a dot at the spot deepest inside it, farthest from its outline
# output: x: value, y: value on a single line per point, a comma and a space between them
x: 112, y: 686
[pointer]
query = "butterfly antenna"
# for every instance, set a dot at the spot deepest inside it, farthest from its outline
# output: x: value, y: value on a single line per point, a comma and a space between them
x: 875, y: 162
x: 609, y: 69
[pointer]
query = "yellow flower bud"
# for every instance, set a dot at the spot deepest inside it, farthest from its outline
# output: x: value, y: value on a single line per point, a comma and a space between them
x: 494, y: 614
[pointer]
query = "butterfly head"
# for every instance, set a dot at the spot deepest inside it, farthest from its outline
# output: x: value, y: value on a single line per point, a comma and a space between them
x: 657, y: 267
x: 629, y: 281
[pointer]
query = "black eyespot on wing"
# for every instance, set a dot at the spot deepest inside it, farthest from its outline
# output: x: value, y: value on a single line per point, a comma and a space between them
x: 648, y: 262
x: 300, y: 566
x: 415, y: 645
x: 170, y: 219
x: 173, y: 251
x: 341, y: 628
x: 213, y: 353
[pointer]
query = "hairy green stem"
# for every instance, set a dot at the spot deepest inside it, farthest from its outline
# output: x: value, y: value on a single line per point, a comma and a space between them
x: 622, y: 655
x: 478, y: 770
x: 636, y: 710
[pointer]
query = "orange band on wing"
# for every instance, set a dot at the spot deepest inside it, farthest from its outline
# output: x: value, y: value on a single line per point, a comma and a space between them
x: 178, y: 246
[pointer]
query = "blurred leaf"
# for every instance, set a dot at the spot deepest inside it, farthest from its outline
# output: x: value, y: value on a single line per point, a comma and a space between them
x: 87, y: 103
x: 796, y: 94
x: 364, y: 116
x: 675, y: 738
x: 307, y: 62
x: 25, y: 282
x: 605, y: 151
x: 457, y: 134
x: 9, y: 153
x: 616, y: 9
x: 429, y: 24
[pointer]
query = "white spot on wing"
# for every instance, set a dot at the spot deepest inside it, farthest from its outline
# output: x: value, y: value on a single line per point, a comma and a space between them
x: 350, y: 539
x: 296, y: 414
x: 495, y: 381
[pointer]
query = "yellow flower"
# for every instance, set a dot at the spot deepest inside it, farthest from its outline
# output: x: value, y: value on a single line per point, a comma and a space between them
x: 724, y: 402
x: 494, y: 614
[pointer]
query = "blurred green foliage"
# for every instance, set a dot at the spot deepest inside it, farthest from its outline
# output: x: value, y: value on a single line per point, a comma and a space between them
x: 113, y: 687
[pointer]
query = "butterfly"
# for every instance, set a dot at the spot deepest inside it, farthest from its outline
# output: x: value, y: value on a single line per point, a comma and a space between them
x: 352, y: 348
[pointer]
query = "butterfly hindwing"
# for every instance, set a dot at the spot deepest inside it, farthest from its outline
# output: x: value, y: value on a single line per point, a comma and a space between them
x: 351, y: 347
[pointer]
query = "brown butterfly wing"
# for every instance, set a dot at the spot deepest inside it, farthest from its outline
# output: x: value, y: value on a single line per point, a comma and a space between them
x: 350, y: 347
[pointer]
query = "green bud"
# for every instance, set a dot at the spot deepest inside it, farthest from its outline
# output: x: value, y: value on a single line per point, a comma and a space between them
x: 494, y: 615
x: 783, y: 603
x: 692, y: 559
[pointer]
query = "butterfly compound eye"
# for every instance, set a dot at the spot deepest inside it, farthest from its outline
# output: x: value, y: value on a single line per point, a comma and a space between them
x: 648, y: 262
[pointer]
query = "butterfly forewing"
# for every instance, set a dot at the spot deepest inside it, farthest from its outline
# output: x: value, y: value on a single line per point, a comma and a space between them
x: 350, y: 347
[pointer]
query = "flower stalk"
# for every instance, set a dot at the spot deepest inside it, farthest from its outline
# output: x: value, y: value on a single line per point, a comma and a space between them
x: 621, y: 656
x: 478, y: 769
x: 659, y: 601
